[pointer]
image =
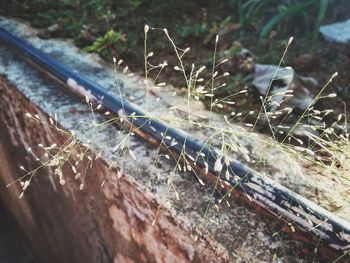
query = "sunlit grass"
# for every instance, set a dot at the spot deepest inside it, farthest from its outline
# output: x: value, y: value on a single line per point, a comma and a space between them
x: 328, y: 149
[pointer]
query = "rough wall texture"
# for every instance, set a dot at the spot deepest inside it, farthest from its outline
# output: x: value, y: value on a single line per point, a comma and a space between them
x: 94, y: 225
x: 114, y: 222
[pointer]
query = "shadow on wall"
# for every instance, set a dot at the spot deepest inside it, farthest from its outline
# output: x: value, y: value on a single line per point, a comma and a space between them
x: 13, y: 247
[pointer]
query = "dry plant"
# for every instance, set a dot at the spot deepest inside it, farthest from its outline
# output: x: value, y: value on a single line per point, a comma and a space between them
x: 327, y: 145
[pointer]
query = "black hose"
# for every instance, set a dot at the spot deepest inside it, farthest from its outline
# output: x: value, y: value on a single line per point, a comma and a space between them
x: 275, y: 198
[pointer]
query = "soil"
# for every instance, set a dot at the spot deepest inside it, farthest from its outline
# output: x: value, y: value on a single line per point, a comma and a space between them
x: 81, y: 63
x: 195, y: 25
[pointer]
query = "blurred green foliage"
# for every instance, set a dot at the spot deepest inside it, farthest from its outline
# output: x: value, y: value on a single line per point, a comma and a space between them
x: 106, y: 42
x: 193, y: 21
x: 270, y: 14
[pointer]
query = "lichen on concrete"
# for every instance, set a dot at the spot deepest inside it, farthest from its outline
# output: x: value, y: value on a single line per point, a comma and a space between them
x: 132, y: 196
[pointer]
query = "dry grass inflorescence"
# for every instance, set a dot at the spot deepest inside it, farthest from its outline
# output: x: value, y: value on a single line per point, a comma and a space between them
x: 323, y: 146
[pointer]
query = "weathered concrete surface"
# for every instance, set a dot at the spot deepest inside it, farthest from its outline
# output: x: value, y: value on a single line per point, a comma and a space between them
x: 114, y: 223
x: 305, y: 179
x: 94, y: 225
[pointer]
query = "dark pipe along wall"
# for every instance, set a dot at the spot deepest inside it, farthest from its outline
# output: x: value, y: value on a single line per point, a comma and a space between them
x: 275, y: 198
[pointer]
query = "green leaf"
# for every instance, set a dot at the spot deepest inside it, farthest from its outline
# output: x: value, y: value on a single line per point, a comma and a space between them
x: 284, y: 14
x: 323, y: 7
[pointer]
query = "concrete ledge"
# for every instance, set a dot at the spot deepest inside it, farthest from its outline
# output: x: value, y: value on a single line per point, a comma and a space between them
x: 94, y: 225
x: 114, y: 222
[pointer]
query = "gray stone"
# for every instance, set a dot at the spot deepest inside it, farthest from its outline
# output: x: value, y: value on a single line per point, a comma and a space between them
x: 115, y: 221
x: 285, y: 81
x: 337, y: 32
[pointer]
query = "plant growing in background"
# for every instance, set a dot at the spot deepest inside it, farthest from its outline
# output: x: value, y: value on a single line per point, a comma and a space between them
x: 72, y: 153
x: 195, y: 21
x: 109, y: 44
x: 272, y: 14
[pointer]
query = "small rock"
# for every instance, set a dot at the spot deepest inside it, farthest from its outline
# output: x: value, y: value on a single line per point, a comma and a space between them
x: 54, y: 30
x: 337, y: 32
x: 283, y: 78
x: 286, y: 81
x: 240, y: 59
x: 246, y: 60
x: 302, y: 96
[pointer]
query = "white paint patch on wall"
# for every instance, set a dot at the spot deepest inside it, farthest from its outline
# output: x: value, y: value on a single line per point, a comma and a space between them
x: 80, y: 89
